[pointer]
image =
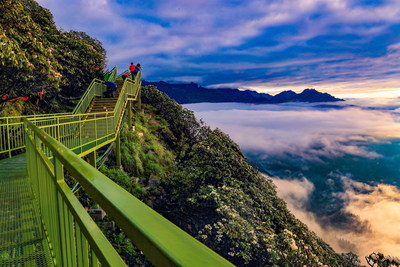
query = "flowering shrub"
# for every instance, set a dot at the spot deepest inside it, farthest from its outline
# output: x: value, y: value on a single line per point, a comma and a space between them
x: 34, y: 54
x: 380, y: 260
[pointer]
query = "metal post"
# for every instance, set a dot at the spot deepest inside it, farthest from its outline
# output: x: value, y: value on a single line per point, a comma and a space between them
x: 92, y: 158
x: 139, y: 99
x: 8, y: 138
x: 118, y: 150
x: 129, y: 114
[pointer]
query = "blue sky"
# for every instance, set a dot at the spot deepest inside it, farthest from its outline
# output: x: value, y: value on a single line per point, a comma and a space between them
x: 345, y: 47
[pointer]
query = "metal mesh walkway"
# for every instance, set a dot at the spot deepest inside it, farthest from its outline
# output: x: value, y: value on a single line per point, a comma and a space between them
x: 22, y: 241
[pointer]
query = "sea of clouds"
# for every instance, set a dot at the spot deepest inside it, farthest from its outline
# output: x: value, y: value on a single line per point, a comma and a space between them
x: 316, y: 133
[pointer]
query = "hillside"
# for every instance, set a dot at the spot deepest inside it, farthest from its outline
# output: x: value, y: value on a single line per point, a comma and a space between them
x: 199, y: 179
x: 186, y: 93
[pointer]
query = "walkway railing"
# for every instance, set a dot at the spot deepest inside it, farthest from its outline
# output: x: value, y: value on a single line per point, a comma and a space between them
x: 111, y: 75
x: 82, y: 133
x: 96, y: 88
x: 12, y: 133
x: 75, y: 238
x: 11, y: 128
x: 82, y: 136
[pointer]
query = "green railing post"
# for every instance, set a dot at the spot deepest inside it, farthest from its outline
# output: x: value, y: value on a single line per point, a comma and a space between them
x: 8, y: 138
x: 58, y: 130
x: 80, y: 136
x: 92, y: 158
x: 95, y: 128
x: 129, y: 106
x: 118, y: 150
x: 62, y: 246
x: 139, y: 100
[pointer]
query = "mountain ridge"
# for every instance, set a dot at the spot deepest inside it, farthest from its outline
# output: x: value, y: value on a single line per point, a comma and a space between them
x: 188, y: 93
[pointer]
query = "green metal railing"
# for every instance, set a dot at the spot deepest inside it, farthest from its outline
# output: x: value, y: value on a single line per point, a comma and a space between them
x: 111, y: 75
x: 130, y: 91
x: 82, y: 136
x: 86, y: 132
x: 96, y: 88
x: 12, y: 132
x: 74, y: 237
x: 11, y: 128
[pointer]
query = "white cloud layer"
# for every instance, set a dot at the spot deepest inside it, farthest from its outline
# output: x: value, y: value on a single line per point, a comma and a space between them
x: 299, y: 129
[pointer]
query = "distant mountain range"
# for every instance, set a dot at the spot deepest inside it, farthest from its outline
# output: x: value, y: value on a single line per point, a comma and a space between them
x: 187, y: 93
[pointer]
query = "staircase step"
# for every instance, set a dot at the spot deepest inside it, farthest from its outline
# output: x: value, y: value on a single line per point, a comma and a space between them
x: 103, y: 107
x: 106, y: 99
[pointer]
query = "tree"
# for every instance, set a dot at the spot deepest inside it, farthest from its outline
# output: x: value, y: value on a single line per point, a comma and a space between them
x: 27, y: 61
x: 34, y: 54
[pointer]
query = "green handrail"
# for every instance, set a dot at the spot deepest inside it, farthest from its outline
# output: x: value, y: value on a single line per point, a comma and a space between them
x: 96, y: 88
x: 11, y: 128
x: 162, y: 242
x: 12, y: 132
x: 107, y: 75
x: 86, y: 135
x: 75, y: 238
x: 111, y: 75
x: 80, y: 135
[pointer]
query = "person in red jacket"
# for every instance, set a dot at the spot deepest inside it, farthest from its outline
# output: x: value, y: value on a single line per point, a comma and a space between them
x: 132, y: 69
x: 124, y: 76
x: 40, y: 96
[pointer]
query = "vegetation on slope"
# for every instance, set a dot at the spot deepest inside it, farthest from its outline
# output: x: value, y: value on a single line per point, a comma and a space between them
x: 34, y: 54
x: 199, y: 179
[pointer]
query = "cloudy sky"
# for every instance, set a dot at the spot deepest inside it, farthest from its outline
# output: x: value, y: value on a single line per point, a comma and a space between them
x: 345, y: 47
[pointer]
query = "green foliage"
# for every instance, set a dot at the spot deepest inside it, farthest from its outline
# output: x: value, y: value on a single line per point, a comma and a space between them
x: 122, y: 179
x: 182, y: 123
x: 82, y: 58
x: 352, y: 258
x: 145, y: 161
x: 18, y: 108
x: 143, y: 155
x: 34, y: 54
x: 26, y: 56
x: 122, y: 244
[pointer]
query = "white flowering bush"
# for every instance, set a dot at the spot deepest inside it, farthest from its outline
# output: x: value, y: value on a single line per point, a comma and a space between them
x: 35, y: 55
x: 380, y: 260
